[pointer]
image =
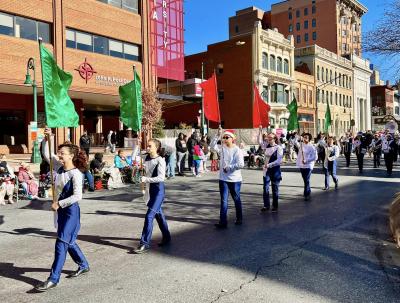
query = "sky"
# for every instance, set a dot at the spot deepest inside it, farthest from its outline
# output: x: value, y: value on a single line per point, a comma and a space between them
x: 206, y: 22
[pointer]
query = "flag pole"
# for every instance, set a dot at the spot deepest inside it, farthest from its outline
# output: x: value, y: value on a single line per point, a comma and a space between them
x: 255, y: 99
x: 48, y: 137
x: 216, y: 93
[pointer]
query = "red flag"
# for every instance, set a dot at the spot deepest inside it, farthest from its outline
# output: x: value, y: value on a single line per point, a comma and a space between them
x: 211, y: 106
x: 260, y: 110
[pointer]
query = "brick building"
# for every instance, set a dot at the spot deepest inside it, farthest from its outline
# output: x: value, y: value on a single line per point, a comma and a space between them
x: 382, y: 99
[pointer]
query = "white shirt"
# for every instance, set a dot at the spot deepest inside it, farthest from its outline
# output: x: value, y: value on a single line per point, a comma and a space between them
x: 308, y: 153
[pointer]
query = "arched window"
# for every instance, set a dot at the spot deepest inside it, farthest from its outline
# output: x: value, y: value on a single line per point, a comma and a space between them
x: 322, y: 74
x: 350, y: 82
x: 318, y: 75
x: 272, y: 63
x: 335, y: 78
x: 265, y: 60
x: 286, y: 66
x: 340, y: 79
x: 326, y: 75
x: 279, y: 65
x: 330, y: 77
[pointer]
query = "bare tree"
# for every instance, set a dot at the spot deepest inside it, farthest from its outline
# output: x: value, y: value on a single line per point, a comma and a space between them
x: 152, y: 110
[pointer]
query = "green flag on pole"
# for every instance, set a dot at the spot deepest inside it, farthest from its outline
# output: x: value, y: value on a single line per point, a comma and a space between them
x: 328, y: 118
x: 131, y: 103
x: 293, y: 122
x: 60, y: 110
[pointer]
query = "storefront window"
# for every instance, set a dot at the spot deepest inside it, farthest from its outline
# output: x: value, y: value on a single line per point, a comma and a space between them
x: 6, y: 25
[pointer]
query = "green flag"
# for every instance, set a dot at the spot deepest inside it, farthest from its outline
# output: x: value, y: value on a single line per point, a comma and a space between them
x: 293, y: 122
x: 328, y: 118
x: 60, y: 110
x: 131, y: 103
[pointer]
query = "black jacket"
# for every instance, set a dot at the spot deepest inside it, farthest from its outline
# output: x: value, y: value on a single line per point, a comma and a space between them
x: 84, y: 141
x: 180, y: 147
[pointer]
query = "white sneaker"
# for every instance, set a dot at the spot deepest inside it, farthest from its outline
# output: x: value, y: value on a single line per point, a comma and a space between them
x: 10, y: 201
x: 2, y: 203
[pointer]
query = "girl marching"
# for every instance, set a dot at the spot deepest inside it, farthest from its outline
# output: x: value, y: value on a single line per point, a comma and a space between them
x: 155, y: 194
x: 332, y: 152
x: 67, y: 193
x: 389, y: 149
x: 230, y: 177
x: 272, y: 172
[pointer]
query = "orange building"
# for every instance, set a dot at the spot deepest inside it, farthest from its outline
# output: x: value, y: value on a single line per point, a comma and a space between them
x: 332, y: 24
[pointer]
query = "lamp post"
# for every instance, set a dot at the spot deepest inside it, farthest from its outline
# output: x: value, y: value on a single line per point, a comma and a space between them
x: 28, y: 82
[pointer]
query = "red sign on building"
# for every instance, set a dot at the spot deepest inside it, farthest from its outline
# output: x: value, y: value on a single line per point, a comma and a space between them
x: 167, y: 43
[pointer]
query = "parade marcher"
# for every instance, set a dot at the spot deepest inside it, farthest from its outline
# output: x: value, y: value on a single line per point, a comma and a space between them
x: 155, y: 193
x: 388, y: 149
x: 376, y: 148
x: 306, y: 158
x: 347, y: 143
x: 84, y: 143
x: 321, y: 143
x: 332, y: 152
x: 68, y: 192
x: 262, y: 139
x: 360, y: 149
x: 230, y: 176
x: 181, y: 149
x: 272, y: 172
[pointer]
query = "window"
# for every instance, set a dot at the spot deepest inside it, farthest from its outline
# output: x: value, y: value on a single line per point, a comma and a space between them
x: 236, y: 29
x: 306, y: 11
x: 310, y: 97
x: 220, y: 69
x: 306, y: 37
x: 344, y: 47
x: 297, y: 94
x: 71, y: 42
x: 318, y: 76
x: 298, y: 14
x: 314, y: 36
x: 221, y: 95
x: 298, y: 26
x: 286, y: 66
x: 84, y: 41
x: 331, y: 95
x: 330, y: 76
x: 129, y: 5
x: 265, y: 60
x: 344, y: 33
x: 100, y: 45
x: 290, y: 16
x: 131, y: 52
x: 336, y: 98
x: 314, y: 9
x: 116, y: 49
x: 304, y: 96
x: 278, y: 94
x: 350, y: 82
x: 6, y: 24
x: 298, y: 39
x: 279, y: 65
x: 340, y: 79
x: 290, y: 28
x: 335, y: 78
x: 44, y: 31
x: 306, y: 24
x: 314, y: 23
x: 264, y: 94
x: 340, y: 99
x: 318, y: 95
x: 322, y: 75
x: 323, y: 97
x: 272, y: 63
x: 25, y: 28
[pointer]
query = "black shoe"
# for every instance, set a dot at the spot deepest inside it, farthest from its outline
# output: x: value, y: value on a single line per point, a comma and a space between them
x: 325, y: 188
x: 337, y: 185
x: 79, y: 272
x: 46, y: 285
x: 264, y: 209
x: 306, y: 198
x: 164, y: 243
x: 274, y: 210
x: 141, y: 249
x: 221, y: 226
x: 238, y: 222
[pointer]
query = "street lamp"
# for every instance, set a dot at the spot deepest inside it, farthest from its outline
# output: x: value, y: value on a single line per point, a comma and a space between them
x: 28, y: 82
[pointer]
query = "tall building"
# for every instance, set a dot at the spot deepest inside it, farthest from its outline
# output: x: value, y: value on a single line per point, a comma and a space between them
x: 98, y: 42
x: 332, y: 24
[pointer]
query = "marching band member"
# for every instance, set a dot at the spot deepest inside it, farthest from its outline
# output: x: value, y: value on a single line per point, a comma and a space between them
x: 68, y: 192
x: 272, y: 172
x: 230, y: 176
x: 155, y: 167
x: 347, y: 148
x: 388, y: 149
x: 305, y: 161
x: 360, y: 148
x: 332, y: 152
x: 376, y: 147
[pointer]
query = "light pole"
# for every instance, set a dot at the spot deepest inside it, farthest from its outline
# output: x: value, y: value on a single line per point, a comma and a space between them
x: 28, y: 82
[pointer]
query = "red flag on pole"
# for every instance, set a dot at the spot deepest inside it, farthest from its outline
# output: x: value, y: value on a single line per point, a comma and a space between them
x: 260, y: 110
x: 210, y: 99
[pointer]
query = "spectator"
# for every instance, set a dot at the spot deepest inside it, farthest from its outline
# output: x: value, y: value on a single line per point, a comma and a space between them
x: 124, y: 164
x: 192, y: 141
x: 6, y: 179
x: 84, y: 143
x: 181, y: 149
x: 28, y: 181
x: 170, y: 159
x: 110, y: 145
x: 97, y: 164
x: 198, y: 157
x: 204, y: 146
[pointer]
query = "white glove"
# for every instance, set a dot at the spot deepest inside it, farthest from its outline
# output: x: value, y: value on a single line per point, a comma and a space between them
x: 144, y: 179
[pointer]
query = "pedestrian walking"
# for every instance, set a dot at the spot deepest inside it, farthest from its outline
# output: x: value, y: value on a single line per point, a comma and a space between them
x: 84, y: 143
x: 230, y: 177
x: 305, y: 161
x: 181, y: 150
x: 68, y: 193
x: 154, y: 197
x: 273, y: 156
x: 332, y: 153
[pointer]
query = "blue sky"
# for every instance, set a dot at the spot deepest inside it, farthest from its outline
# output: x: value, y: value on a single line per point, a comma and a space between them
x: 206, y: 22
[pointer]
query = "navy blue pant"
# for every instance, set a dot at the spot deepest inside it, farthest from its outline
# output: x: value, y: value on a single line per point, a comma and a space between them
x: 196, y: 164
x: 89, y: 178
x: 155, y: 211
x: 331, y: 170
x: 234, y: 189
x: 347, y: 156
x: 306, y: 174
x: 360, y: 161
x: 377, y: 159
x: 67, y: 232
x: 275, y: 191
x: 389, y: 162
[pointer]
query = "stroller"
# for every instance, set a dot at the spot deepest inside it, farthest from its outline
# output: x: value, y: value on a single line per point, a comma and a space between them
x: 44, y: 185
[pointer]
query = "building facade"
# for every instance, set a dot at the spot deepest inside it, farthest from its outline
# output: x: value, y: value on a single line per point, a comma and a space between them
x: 304, y: 91
x: 333, y: 76
x: 332, y: 24
x: 382, y: 99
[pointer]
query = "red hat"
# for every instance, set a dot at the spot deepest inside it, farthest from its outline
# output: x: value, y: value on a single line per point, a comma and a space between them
x: 230, y: 133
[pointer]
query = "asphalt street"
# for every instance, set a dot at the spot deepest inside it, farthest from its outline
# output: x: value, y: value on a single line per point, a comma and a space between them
x: 334, y: 248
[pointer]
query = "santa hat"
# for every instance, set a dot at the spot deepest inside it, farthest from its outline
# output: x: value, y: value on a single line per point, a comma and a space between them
x: 230, y: 133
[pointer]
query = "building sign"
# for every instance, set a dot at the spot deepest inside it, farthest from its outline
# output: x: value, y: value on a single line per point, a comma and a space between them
x: 86, y: 71
x: 167, y: 43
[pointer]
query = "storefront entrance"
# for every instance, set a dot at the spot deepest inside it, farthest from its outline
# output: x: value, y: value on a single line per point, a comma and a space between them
x: 13, y: 127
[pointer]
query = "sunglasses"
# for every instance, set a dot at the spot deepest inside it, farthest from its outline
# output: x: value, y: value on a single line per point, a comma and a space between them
x: 226, y: 137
